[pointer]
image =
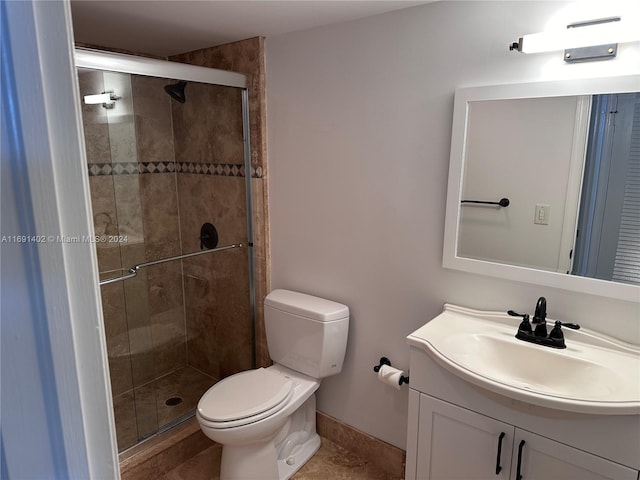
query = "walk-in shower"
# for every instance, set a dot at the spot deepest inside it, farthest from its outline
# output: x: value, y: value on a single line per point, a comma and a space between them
x: 177, y: 319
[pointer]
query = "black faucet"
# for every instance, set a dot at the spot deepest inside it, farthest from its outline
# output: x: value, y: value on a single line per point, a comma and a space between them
x: 554, y: 339
x: 540, y: 318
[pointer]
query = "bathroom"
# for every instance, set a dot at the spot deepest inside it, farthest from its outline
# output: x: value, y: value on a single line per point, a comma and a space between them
x: 358, y: 137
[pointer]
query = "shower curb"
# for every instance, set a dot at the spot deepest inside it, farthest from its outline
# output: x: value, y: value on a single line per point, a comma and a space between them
x: 163, y: 452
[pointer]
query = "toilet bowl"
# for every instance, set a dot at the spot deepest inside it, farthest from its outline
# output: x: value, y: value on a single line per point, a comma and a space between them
x: 258, y: 434
x: 265, y: 418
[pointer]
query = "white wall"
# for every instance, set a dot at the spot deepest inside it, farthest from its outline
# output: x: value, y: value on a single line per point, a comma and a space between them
x: 359, y: 128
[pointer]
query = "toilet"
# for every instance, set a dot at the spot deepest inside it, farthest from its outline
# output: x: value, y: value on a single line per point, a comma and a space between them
x: 265, y: 419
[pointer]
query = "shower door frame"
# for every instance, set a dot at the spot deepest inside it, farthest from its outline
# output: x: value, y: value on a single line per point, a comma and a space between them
x: 118, y: 62
x: 130, y: 64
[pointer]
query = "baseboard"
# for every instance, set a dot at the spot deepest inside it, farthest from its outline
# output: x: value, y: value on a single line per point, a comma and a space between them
x: 383, y: 455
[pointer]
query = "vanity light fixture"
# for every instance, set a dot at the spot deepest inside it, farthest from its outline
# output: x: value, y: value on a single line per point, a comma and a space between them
x: 582, y: 41
x: 107, y: 99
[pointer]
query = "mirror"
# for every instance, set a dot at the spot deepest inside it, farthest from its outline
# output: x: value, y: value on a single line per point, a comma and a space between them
x: 540, y: 145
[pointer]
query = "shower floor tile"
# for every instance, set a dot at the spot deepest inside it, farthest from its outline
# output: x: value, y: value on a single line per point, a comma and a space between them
x: 186, y: 384
x: 157, y: 404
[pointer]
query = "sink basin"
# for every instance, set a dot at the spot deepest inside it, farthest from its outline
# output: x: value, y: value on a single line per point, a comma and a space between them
x: 594, y: 374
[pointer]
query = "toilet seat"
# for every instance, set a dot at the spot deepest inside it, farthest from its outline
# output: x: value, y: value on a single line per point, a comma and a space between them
x: 245, y: 398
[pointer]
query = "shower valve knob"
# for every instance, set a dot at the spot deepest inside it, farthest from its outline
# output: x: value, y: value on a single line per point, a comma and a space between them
x: 208, y: 236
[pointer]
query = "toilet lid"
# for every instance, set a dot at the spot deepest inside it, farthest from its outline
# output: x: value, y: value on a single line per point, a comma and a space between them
x: 244, y: 395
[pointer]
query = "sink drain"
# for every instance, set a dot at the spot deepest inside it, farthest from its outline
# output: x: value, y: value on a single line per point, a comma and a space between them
x: 173, y: 401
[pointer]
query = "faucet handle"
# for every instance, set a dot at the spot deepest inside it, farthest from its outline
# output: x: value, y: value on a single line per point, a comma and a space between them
x: 556, y: 331
x: 525, y: 325
x: 572, y: 326
x: 556, y: 335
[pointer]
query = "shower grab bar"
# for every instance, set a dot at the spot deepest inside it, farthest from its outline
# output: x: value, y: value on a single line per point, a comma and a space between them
x: 133, y: 271
x: 118, y: 279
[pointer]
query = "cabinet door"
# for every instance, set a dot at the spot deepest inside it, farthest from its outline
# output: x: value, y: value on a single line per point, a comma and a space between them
x: 543, y: 459
x: 455, y: 443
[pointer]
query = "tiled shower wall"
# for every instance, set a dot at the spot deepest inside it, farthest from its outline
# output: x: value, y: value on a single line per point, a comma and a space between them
x: 209, y: 138
x: 247, y: 57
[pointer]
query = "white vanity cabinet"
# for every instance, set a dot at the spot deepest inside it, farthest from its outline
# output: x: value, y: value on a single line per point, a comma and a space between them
x: 454, y: 429
x: 456, y: 443
x: 485, y: 405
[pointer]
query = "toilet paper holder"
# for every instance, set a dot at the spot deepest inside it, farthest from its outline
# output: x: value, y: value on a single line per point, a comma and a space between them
x: 386, y: 361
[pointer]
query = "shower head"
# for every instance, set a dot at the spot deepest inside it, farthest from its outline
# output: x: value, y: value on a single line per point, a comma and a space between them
x: 176, y: 91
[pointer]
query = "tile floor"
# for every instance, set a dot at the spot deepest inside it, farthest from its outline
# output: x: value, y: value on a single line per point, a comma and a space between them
x: 330, y: 462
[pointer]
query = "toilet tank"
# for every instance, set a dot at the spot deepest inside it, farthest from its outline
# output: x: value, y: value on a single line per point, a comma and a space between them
x: 306, y: 333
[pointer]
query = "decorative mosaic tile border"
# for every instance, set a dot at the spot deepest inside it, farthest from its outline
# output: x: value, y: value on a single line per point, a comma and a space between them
x: 226, y: 169
x: 132, y: 168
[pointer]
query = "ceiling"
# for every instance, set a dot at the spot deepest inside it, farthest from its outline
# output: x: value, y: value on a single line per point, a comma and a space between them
x: 167, y: 28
